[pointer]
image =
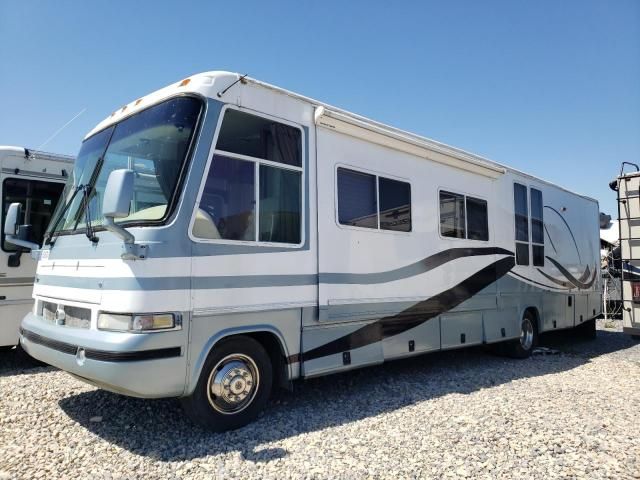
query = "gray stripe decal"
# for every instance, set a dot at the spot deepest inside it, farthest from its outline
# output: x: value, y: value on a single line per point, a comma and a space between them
x: 177, y: 283
x: 7, y: 281
x: 252, y: 281
x: 412, y: 270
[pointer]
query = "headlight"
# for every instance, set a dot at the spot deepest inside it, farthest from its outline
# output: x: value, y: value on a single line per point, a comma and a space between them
x: 138, y: 323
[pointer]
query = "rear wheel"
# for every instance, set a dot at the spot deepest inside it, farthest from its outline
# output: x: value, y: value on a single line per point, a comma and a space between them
x: 522, y: 347
x: 234, y: 385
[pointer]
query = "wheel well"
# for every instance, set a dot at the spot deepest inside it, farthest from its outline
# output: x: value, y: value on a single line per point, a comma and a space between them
x: 536, y: 316
x: 274, y: 349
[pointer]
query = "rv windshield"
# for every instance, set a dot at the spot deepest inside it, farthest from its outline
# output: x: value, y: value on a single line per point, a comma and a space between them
x: 153, y: 143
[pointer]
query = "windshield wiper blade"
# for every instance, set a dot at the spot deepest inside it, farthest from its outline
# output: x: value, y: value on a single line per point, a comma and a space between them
x: 89, y: 232
x: 52, y: 233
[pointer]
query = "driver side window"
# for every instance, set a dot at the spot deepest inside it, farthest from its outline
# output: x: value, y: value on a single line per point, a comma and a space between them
x: 253, y: 190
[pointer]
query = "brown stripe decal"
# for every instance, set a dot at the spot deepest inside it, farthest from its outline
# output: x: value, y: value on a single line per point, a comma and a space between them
x: 419, y: 313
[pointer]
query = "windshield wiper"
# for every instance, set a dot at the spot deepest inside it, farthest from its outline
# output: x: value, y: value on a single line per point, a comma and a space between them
x: 50, y: 239
x: 89, y: 232
x: 84, y: 206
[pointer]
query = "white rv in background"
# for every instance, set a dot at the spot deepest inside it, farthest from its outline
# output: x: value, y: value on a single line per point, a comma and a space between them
x: 35, y: 180
x: 223, y: 236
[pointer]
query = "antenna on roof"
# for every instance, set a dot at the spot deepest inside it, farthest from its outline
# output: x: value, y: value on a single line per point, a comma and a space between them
x: 61, y: 128
x: 222, y: 92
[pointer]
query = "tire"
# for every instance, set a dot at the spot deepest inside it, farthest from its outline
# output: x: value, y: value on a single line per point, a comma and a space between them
x: 636, y: 338
x: 6, y: 348
x: 523, y: 347
x: 234, y: 385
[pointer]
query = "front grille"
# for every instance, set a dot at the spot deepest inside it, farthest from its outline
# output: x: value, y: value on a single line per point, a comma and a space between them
x: 77, y: 317
x: 67, y: 315
x: 49, y: 311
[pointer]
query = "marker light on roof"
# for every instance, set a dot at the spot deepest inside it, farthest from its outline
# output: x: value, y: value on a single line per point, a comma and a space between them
x: 184, y: 82
x: 138, y: 101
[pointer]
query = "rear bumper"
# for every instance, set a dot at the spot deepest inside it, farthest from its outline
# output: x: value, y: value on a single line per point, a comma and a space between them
x: 151, y: 365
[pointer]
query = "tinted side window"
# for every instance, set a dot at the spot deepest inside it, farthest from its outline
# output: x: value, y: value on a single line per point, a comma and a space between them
x: 477, y: 219
x: 357, y: 199
x: 521, y: 209
x: 38, y: 199
x: 260, y: 137
x: 280, y: 205
x: 537, y: 228
x: 452, y: 215
x: 395, y: 205
x: 228, y: 200
x: 521, y: 212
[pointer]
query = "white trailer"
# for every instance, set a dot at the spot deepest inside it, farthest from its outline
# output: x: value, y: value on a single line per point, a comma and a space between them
x: 627, y: 186
x: 35, y: 180
x: 242, y: 236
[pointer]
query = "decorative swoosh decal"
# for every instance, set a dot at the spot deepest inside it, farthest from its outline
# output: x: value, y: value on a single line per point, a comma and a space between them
x: 574, y: 282
x: 541, y: 284
x: 417, y: 268
x: 562, y: 283
x: 415, y: 315
x: 568, y: 228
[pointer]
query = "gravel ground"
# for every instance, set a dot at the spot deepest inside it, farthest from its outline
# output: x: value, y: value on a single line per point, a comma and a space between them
x: 453, y: 414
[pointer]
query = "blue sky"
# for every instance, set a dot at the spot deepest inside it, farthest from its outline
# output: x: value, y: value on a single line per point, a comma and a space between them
x: 549, y: 87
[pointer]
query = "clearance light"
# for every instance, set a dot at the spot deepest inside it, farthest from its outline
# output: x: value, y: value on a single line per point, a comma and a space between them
x: 184, y: 82
x: 138, y: 323
x: 124, y: 108
x: 138, y: 101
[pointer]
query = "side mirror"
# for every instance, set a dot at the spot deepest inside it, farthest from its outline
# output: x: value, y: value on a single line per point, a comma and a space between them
x: 17, y: 234
x: 116, y: 203
x: 11, y: 220
x: 118, y: 194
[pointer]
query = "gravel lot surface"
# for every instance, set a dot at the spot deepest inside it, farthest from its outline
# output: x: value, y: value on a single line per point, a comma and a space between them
x: 454, y: 414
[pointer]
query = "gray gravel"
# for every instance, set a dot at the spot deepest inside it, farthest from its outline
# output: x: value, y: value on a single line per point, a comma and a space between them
x: 454, y: 414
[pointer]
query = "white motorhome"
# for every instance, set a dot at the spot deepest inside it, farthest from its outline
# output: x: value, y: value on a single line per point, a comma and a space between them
x: 35, y: 180
x: 241, y: 236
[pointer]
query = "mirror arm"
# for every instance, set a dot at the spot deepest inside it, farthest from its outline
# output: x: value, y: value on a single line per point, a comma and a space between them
x: 110, y: 225
x: 21, y: 243
x: 130, y: 249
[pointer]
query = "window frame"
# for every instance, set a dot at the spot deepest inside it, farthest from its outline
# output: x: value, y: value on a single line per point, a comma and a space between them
x: 377, y: 175
x: 169, y: 216
x: 257, y: 162
x: 528, y: 186
x: 3, y: 203
x: 466, y: 217
x: 515, y: 227
x: 531, y: 242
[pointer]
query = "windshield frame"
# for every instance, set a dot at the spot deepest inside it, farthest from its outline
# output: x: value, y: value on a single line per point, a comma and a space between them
x: 177, y: 191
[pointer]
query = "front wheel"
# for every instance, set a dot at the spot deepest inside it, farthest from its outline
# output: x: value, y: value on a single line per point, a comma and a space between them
x: 234, y: 385
x: 523, y: 347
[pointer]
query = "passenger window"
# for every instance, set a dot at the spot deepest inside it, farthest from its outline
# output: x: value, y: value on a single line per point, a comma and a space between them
x: 279, y: 205
x: 229, y: 198
x: 38, y: 199
x: 522, y: 223
x: 246, y: 197
x: 259, y: 137
x: 452, y: 215
x: 395, y: 205
x: 477, y: 219
x: 537, y: 228
x: 357, y: 199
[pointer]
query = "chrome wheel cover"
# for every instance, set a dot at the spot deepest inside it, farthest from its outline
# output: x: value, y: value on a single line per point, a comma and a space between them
x: 233, y: 383
x: 526, y: 334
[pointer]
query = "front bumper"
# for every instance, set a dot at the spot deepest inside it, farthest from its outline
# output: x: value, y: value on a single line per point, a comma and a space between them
x: 147, y: 365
